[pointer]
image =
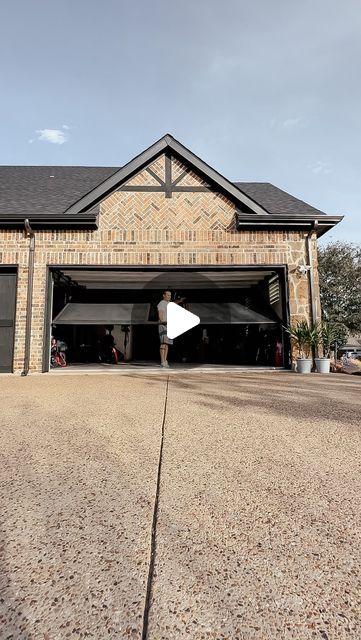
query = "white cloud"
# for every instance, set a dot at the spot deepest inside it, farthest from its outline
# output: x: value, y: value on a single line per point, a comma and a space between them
x: 55, y: 136
x: 320, y: 167
x: 290, y: 124
x: 65, y: 126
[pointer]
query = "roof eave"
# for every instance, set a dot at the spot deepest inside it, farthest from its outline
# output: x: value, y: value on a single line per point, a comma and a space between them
x: 243, y: 221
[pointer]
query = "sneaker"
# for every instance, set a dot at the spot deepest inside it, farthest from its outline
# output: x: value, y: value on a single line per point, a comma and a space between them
x: 164, y: 365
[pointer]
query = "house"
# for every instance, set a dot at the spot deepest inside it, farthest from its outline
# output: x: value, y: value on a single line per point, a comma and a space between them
x: 86, y: 247
x: 352, y: 346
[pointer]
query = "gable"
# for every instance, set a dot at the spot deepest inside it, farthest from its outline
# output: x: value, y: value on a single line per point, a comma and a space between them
x: 168, y: 196
x: 70, y: 197
x: 172, y: 151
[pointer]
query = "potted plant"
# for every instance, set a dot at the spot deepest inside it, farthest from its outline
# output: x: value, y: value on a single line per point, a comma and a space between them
x: 301, y: 337
x: 327, y: 335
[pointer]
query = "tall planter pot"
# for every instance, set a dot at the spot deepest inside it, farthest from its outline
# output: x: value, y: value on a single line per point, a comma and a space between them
x: 323, y: 365
x: 304, y: 365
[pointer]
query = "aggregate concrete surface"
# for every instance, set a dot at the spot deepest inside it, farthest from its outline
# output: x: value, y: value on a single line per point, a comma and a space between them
x: 78, y: 475
x: 259, y: 530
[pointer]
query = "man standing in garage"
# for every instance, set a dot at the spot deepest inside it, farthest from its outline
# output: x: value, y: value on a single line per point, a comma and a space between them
x: 162, y: 317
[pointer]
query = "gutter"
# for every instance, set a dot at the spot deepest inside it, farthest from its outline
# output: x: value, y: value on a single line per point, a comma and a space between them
x: 29, y: 233
x: 50, y: 221
x: 285, y: 222
x: 311, y: 278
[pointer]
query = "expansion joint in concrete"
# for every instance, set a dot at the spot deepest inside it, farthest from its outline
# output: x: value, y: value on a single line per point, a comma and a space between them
x: 153, y: 542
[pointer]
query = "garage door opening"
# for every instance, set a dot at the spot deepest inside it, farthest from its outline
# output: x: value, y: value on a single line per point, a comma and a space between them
x: 242, y: 312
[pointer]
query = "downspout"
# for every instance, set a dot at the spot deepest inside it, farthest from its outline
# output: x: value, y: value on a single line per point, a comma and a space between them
x: 29, y: 233
x: 310, y: 272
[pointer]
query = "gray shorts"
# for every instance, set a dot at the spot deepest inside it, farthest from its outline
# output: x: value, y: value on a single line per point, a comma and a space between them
x: 162, y: 328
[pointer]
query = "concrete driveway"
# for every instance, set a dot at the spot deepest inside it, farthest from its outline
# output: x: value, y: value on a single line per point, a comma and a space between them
x: 255, y: 507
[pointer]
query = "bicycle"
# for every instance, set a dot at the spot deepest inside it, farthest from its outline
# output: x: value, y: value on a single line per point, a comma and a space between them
x: 57, y: 355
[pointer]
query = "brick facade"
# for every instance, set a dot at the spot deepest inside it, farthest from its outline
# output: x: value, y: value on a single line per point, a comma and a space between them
x: 146, y: 228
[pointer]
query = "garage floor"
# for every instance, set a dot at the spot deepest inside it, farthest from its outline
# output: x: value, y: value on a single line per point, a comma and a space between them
x: 153, y: 367
x: 257, y: 529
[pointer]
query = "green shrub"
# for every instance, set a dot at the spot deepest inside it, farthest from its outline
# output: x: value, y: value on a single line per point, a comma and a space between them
x: 300, y: 334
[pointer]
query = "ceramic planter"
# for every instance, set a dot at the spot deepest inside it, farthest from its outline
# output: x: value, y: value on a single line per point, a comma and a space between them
x: 323, y: 365
x: 304, y: 365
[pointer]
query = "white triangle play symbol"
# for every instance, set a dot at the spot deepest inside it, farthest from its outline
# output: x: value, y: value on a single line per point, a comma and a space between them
x: 179, y: 320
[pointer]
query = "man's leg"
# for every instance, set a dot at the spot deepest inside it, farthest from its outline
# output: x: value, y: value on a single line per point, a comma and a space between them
x: 163, y: 354
x: 166, y: 353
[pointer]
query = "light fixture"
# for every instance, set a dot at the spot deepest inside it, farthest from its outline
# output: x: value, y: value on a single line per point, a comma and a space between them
x: 303, y: 268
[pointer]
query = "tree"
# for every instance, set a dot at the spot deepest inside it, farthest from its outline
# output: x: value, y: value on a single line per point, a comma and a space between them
x: 340, y: 284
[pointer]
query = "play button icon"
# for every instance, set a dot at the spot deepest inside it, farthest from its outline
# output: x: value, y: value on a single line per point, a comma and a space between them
x: 179, y: 320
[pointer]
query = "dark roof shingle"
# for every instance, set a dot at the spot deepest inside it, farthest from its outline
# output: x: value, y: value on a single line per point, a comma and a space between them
x: 274, y: 200
x: 32, y: 190
x: 27, y: 191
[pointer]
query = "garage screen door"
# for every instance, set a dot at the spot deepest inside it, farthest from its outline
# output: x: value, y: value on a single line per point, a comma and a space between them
x: 138, y: 313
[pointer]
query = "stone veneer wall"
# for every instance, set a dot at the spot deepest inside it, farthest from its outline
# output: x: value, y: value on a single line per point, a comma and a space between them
x: 141, y: 228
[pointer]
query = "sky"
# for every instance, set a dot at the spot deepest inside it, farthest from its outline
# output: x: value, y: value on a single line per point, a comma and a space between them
x: 263, y: 91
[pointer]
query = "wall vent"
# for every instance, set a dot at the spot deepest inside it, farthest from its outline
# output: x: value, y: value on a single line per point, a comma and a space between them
x: 274, y: 289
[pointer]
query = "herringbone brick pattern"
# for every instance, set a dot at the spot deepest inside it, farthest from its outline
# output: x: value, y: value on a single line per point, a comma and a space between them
x: 192, y: 211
